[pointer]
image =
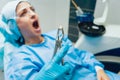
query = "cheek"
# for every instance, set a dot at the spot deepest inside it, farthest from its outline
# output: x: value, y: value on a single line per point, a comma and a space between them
x: 24, y: 21
x: 24, y: 31
x: 23, y: 26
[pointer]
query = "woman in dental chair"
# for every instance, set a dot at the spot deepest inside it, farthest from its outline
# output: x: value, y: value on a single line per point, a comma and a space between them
x: 30, y: 52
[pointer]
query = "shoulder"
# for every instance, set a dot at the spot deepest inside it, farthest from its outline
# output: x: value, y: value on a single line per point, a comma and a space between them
x: 22, y: 49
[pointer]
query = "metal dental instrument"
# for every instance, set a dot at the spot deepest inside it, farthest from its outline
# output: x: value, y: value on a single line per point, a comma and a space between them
x: 58, y: 43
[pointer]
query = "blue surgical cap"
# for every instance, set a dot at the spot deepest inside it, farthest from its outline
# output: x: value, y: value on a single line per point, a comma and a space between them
x: 8, y: 15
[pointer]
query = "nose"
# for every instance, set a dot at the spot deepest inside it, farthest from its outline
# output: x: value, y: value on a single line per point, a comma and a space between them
x: 32, y: 14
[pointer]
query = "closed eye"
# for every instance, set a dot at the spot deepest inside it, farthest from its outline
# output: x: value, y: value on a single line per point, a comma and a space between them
x: 23, y: 12
x: 33, y: 9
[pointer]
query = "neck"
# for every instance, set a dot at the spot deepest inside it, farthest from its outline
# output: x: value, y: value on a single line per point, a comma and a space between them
x: 34, y: 40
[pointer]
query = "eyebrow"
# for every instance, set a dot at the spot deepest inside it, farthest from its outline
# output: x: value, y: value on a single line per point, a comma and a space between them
x: 23, y: 9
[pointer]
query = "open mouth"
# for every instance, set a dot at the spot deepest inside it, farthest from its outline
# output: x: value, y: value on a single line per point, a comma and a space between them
x: 35, y: 24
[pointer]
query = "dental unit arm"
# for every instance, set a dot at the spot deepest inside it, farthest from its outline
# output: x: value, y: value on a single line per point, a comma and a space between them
x: 78, y: 9
x: 102, y: 20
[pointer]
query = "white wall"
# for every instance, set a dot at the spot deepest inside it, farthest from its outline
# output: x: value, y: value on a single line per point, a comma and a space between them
x: 62, y: 13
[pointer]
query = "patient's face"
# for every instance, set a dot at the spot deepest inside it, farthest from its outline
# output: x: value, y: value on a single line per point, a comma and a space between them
x: 27, y: 20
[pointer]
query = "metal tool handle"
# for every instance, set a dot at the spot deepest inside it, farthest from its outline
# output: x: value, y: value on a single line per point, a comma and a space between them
x: 59, y: 37
x: 57, y: 44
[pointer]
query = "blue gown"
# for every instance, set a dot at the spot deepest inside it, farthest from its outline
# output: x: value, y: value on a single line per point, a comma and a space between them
x: 27, y: 61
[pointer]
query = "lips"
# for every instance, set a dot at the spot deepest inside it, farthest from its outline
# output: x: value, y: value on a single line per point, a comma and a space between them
x: 35, y: 24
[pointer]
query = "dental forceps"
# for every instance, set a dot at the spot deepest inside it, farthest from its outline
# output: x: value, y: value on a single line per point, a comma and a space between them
x: 59, y: 38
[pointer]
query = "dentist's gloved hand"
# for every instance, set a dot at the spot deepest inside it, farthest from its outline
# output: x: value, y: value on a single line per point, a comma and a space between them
x: 53, y: 70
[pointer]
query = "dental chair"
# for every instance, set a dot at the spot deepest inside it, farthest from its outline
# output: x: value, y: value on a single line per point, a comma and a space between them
x: 1, y: 53
x: 110, y: 58
x: 5, y: 47
x: 106, y: 48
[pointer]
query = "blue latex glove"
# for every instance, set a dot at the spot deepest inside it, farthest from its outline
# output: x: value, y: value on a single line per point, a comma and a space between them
x: 53, y: 70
